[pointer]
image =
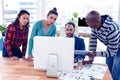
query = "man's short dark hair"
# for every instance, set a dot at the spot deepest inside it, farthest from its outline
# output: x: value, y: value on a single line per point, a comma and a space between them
x: 70, y: 23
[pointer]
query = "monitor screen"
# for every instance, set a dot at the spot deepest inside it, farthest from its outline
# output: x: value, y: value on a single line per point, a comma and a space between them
x: 82, y: 22
x: 62, y: 46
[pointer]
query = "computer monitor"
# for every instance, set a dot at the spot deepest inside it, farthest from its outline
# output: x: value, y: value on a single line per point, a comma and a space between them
x: 62, y: 46
x: 82, y: 22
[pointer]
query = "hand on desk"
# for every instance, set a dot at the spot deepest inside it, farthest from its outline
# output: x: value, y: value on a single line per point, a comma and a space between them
x: 30, y: 58
x: 87, y: 62
x: 92, y: 55
x: 14, y: 58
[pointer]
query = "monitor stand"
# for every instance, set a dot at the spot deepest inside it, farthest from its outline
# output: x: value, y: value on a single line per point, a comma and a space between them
x: 52, y: 67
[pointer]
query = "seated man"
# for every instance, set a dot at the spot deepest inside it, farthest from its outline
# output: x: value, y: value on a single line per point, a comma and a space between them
x: 79, y: 42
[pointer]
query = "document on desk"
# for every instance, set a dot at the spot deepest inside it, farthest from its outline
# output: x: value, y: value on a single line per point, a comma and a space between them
x: 89, y: 72
x: 74, y: 75
x: 96, y: 71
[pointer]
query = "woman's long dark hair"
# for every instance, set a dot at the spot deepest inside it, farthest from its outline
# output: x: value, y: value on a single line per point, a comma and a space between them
x: 16, y: 22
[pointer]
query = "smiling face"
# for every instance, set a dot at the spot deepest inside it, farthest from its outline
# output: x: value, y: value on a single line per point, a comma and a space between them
x: 23, y: 19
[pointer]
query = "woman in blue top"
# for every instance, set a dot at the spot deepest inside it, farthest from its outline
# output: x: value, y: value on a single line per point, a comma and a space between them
x: 43, y: 28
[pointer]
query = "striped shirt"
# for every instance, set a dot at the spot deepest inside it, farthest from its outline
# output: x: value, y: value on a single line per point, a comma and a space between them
x: 108, y: 34
x: 15, y: 37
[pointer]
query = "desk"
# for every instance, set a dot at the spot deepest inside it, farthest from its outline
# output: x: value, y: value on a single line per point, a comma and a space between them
x: 84, y: 34
x: 23, y: 70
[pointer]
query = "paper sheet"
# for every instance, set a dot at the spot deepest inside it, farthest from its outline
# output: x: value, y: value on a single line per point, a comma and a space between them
x: 88, y: 72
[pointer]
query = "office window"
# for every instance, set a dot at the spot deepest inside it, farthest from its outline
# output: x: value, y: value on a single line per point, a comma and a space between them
x: 82, y: 7
x: 12, y: 7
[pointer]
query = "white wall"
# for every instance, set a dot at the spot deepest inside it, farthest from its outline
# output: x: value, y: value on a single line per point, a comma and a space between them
x: 119, y: 13
x: 1, y: 14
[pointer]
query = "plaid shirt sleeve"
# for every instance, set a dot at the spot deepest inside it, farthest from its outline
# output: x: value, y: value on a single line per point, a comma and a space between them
x: 8, y: 40
x: 24, y: 47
